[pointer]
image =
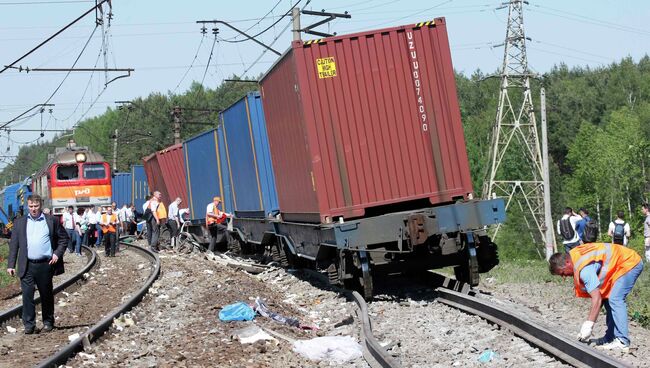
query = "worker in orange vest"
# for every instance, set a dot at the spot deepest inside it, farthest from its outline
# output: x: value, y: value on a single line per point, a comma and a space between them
x: 158, y: 217
x: 606, y: 273
x: 215, y: 219
x: 109, y: 224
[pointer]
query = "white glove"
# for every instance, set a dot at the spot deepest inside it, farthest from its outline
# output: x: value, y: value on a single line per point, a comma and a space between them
x: 585, y: 330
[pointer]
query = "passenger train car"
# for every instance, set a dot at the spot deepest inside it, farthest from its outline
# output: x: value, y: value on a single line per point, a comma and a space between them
x: 74, y: 176
x: 350, y: 160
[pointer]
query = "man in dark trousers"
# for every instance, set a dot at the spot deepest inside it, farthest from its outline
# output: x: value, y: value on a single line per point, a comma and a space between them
x: 38, y: 242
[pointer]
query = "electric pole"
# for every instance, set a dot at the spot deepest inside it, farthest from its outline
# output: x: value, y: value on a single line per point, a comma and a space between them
x: 295, y: 16
x: 115, y: 151
x: 176, y: 114
x: 514, y: 139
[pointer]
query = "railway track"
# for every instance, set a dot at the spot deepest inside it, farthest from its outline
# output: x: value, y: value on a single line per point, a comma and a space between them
x: 16, y: 311
x: 91, y: 329
x: 460, y: 296
x: 569, y: 351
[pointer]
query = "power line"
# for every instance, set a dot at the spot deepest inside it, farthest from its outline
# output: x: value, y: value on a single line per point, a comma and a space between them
x: 66, y: 76
x: 192, y: 64
x: 210, y: 58
x: 45, y: 2
x: 271, y: 26
x: 54, y: 35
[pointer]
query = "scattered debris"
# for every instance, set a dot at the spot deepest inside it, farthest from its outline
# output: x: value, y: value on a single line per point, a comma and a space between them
x: 252, y: 334
x: 263, y: 310
x: 11, y: 329
x: 122, y: 322
x: 487, y: 356
x: 239, y: 311
x: 337, y: 349
x: 73, y: 337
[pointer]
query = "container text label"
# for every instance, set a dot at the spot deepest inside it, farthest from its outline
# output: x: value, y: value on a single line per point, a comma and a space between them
x: 326, y: 67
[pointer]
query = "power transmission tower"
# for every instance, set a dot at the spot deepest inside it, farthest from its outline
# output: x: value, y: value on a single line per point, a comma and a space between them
x: 516, y: 170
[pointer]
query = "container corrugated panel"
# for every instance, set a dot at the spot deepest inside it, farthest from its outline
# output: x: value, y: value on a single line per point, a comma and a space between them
x: 139, y: 186
x: 227, y: 197
x: 121, y: 189
x: 10, y: 200
x: 248, y: 157
x: 263, y: 154
x: 202, y: 170
x: 172, y: 165
x: 154, y: 176
x: 367, y: 120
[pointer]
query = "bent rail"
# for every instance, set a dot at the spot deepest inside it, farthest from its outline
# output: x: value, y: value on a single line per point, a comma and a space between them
x: 569, y: 351
x: 97, y: 330
x: 16, y: 311
x: 377, y: 352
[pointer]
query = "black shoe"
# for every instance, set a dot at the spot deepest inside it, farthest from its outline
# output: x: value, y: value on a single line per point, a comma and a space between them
x: 47, y: 328
x: 31, y: 331
x: 153, y: 249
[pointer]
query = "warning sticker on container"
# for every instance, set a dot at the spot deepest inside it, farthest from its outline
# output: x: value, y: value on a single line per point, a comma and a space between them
x: 326, y: 67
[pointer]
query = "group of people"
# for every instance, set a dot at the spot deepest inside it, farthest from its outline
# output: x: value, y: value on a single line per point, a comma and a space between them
x: 157, y: 215
x: 603, y: 272
x: 96, y: 226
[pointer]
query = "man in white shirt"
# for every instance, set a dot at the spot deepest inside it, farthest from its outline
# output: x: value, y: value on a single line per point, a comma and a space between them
x: 91, y: 221
x: 122, y: 216
x: 619, y: 230
x: 173, y: 220
x: 67, y: 220
x: 566, y: 228
x: 98, y: 226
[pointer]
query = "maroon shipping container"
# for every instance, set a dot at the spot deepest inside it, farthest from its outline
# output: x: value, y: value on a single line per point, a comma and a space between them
x: 166, y: 173
x: 365, y: 121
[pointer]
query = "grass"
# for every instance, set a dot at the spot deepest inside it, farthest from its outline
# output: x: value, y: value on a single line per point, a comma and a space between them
x: 5, y: 279
x: 530, y: 271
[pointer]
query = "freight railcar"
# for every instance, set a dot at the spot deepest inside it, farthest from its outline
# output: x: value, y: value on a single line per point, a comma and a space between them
x: 351, y: 160
x: 74, y: 176
x: 165, y: 170
x: 369, y: 157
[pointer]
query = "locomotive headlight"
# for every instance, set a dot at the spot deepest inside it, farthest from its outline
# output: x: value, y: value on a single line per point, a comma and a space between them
x: 80, y: 157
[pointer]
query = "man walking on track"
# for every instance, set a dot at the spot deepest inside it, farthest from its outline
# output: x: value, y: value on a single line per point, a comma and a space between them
x: 158, y: 216
x: 38, y: 243
x: 606, y: 273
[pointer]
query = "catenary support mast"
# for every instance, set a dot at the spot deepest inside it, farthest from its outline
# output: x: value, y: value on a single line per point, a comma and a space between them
x: 515, y: 139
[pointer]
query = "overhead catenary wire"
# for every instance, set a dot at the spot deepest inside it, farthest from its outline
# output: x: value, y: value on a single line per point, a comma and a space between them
x: 64, y: 78
x: 214, y: 42
x: 191, y: 64
x: 269, y: 27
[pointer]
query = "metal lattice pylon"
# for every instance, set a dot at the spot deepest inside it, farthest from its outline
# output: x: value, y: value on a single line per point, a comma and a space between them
x: 514, y: 136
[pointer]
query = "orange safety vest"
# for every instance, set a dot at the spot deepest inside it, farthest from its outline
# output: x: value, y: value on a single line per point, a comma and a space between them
x: 210, y: 220
x: 616, y: 260
x: 110, y: 228
x: 161, y: 211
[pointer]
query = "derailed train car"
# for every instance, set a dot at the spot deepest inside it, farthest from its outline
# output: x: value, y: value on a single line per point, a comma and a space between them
x: 370, y: 161
x: 354, y: 162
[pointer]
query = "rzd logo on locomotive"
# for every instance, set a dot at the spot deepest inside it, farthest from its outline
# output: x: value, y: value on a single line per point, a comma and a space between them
x: 81, y: 192
x: 417, y: 81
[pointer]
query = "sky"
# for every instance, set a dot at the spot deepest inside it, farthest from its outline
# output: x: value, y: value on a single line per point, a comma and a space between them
x: 161, y: 40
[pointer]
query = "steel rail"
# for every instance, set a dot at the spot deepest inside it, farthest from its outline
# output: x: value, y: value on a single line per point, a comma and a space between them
x: 16, y: 311
x: 379, y: 357
x: 567, y: 350
x: 97, y: 330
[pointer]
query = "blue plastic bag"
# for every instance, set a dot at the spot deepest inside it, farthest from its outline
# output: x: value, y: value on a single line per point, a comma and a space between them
x: 239, y: 311
x: 487, y: 356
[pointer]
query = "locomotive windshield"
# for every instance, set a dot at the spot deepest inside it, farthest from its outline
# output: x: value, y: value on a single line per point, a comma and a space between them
x: 94, y: 171
x: 67, y: 172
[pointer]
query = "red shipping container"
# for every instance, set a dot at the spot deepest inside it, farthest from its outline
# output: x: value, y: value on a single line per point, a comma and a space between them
x: 166, y: 173
x: 366, y: 123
